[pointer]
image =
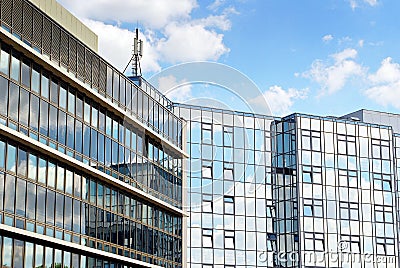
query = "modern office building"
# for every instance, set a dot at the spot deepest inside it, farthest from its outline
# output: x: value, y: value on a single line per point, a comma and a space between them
x: 93, y: 170
x: 335, y: 192
x: 229, y: 183
x: 90, y: 163
x: 298, y: 191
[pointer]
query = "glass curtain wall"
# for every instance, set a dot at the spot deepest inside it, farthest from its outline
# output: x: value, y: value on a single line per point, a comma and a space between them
x: 228, y: 178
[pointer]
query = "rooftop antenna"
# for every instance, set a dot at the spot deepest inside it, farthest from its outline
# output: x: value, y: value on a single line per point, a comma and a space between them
x: 136, y: 55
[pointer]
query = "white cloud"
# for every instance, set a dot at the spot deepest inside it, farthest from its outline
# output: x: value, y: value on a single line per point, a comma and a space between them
x: 357, y: 3
x: 361, y: 43
x: 152, y: 13
x: 385, y: 84
x: 327, y: 38
x: 190, y: 42
x: 281, y: 100
x: 371, y: 2
x: 345, y: 40
x: 333, y: 76
x: 376, y: 44
x: 348, y: 53
x: 388, y: 72
x: 178, y: 91
x: 220, y: 22
x: 171, y: 34
x: 216, y: 5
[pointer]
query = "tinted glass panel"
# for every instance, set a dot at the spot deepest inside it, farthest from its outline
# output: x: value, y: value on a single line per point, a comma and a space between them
x: 34, y: 113
x: 15, y: 68
x: 44, y: 117
x: 3, y: 96
x: 13, y: 102
x: 4, y: 62
x: 24, y: 107
x: 35, y: 80
x: 45, y: 86
x: 26, y: 78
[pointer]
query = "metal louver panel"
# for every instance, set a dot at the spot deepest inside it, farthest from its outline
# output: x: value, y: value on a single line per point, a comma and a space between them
x: 88, y: 66
x: 17, y: 16
x: 95, y: 72
x: 64, y: 49
x: 81, y: 61
x: 27, y: 22
x: 55, y: 43
x: 37, y: 28
x: 46, y: 37
x: 102, y: 76
x: 72, y: 55
x: 6, y: 11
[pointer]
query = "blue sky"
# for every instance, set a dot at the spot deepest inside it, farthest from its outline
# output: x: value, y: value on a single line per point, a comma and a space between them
x: 327, y: 57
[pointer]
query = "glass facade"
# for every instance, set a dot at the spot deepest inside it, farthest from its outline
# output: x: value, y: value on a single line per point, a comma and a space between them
x: 88, y: 158
x: 47, y: 197
x: 229, y: 188
x: 19, y: 253
x: 47, y: 109
x: 299, y: 191
x: 335, y: 192
x: 37, y: 30
x: 92, y: 170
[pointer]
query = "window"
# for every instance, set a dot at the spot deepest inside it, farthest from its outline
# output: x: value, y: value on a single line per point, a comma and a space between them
x: 348, y: 211
x: 13, y: 102
x: 2, y: 153
x: 381, y: 249
x: 24, y: 109
x: 386, y: 185
x: 229, y: 205
x: 207, y: 171
x: 44, y: 117
x: 206, y: 133
x: 15, y: 68
x: 228, y: 136
x: 4, y: 62
x: 11, y: 158
x: 314, y: 241
x: 25, y: 71
x: 86, y: 114
x: 207, y: 238
x: 229, y: 239
x: 385, y: 246
x: 45, y: 86
x: 228, y: 171
x: 54, y: 92
x: 383, y: 214
x: 313, y: 208
x: 348, y: 178
x: 355, y: 247
x: 207, y: 203
x: 51, y: 175
x: 63, y: 98
x: 3, y: 96
x: 79, y: 107
x: 308, y: 210
x: 71, y: 102
x: 380, y: 149
x: 312, y: 174
x: 346, y: 145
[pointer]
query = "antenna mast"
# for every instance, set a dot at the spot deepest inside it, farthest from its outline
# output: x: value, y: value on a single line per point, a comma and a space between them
x: 137, y: 54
